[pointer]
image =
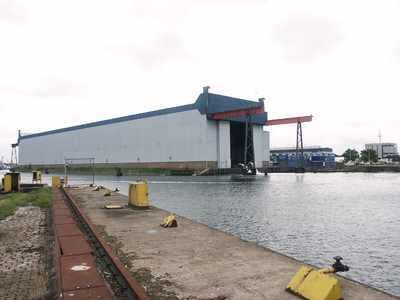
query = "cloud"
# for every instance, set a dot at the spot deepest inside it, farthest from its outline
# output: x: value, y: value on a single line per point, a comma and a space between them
x: 9, y: 12
x: 397, y: 52
x: 50, y: 87
x: 306, y: 38
x: 166, y: 48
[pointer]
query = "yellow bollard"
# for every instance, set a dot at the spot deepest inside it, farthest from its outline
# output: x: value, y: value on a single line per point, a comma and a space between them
x: 170, y: 221
x: 316, y: 285
x: 108, y: 193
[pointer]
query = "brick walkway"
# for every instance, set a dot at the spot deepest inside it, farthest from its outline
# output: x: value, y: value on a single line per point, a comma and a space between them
x: 21, y: 271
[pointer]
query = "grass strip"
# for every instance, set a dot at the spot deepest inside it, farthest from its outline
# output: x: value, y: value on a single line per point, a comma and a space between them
x: 9, y: 203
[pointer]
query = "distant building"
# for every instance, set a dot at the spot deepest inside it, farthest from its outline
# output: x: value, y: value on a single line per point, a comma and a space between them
x: 383, y: 149
x: 314, y: 156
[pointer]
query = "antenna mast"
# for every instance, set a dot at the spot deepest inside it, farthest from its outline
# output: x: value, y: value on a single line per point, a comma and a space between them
x: 380, y: 137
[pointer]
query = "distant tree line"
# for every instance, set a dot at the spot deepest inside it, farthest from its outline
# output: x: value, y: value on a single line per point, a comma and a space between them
x: 368, y: 155
x: 394, y: 157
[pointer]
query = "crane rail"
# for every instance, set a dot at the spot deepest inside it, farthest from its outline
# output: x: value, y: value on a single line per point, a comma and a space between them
x: 78, y: 276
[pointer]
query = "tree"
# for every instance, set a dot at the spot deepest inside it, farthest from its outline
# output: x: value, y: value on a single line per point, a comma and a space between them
x: 350, y: 155
x: 369, y: 155
x: 394, y: 157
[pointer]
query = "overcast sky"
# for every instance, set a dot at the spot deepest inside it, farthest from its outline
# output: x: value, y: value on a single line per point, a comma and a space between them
x: 65, y: 63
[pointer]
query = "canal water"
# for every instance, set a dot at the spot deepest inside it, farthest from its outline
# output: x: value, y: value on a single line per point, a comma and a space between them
x: 311, y: 217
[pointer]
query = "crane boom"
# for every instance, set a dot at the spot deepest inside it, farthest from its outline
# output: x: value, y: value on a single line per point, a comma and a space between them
x: 289, y: 120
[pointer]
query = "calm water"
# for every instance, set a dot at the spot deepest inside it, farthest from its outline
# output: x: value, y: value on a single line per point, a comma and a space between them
x: 311, y: 217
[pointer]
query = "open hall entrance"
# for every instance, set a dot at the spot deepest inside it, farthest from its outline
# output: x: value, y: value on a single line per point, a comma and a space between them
x: 237, y: 136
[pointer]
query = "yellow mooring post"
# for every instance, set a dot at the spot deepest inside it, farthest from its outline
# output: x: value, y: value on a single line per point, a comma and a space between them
x: 170, y: 221
x: 316, y: 285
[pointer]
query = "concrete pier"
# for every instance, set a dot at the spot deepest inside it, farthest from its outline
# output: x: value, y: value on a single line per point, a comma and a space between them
x: 201, y: 262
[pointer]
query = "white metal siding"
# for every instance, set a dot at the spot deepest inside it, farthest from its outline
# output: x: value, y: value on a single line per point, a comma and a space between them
x: 224, y: 142
x: 261, y: 145
x: 182, y: 136
x: 176, y: 137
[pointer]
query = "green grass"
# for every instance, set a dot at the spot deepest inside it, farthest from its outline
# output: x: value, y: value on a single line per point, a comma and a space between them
x: 11, y: 202
x: 100, y: 170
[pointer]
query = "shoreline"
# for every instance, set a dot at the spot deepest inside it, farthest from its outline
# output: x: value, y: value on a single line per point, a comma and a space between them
x: 212, y: 172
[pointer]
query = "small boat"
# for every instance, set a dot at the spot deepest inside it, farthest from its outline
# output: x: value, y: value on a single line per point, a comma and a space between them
x: 3, y: 166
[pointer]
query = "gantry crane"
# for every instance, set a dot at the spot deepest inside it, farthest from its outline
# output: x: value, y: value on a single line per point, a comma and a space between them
x: 299, y: 138
x: 258, y: 108
x: 14, y: 159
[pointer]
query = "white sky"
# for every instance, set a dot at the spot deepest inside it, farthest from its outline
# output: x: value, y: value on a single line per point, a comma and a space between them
x: 65, y: 63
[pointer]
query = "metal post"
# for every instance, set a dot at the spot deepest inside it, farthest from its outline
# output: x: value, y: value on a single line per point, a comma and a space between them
x: 89, y: 158
x: 299, y: 146
x: 65, y: 168
x: 205, y: 90
x: 248, y: 143
x: 245, y: 145
x: 93, y: 171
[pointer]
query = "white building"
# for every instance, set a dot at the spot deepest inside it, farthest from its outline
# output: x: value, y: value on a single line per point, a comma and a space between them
x: 383, y: 149
x: 178, y: 137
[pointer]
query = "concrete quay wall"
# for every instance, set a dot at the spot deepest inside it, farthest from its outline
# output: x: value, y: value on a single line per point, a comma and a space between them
x: 201, y: 262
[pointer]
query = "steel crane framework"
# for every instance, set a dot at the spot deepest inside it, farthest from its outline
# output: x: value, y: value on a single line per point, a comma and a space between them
x: 14, y: 159
x: 299, y: 138
x: 249, y: 147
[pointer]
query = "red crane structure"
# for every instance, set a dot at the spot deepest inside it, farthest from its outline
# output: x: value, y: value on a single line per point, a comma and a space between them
x: 248, y: 111
x: 14, y: 158
x: 258, y: 108
x: 299, y: 139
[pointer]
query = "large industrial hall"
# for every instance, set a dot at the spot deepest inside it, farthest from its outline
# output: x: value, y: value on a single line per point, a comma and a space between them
x: 214, y: 132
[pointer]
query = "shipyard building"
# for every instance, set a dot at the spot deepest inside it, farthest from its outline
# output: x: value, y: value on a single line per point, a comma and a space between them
x: 383, y: 149
x: 313, y: 156
x: 214, y: 132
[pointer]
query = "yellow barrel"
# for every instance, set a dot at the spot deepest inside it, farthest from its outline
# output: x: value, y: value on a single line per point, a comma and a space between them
x: 139, y: 194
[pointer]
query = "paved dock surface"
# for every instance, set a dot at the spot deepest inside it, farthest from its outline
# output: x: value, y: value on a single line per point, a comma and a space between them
x: 200, y: 261
x: 21, y: 254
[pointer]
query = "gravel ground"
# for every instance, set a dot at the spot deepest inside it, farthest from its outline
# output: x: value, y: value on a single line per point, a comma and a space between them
x: 27, y: 265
